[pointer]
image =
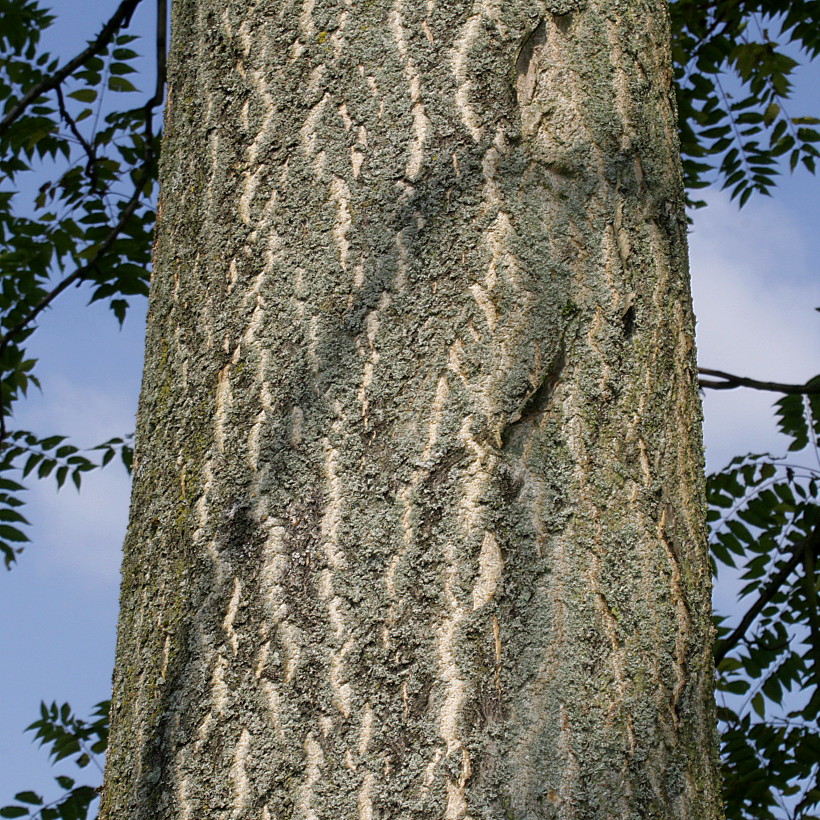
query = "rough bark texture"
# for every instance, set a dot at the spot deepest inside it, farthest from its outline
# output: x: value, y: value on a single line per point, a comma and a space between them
x: 417, y: 527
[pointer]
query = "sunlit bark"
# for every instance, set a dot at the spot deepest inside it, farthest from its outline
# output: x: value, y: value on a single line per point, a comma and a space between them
x: 417, y: 527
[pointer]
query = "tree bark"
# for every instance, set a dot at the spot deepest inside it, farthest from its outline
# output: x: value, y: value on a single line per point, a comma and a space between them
x: 418, y: 523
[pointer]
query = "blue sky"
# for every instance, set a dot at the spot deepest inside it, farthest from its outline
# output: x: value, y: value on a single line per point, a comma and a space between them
x: 755, y: 285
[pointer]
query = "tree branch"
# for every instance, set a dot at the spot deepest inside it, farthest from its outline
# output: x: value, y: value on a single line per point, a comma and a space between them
x: 162, y: 54
x: 810, y: 544
x: 729, y: 382
x: 120, y: 19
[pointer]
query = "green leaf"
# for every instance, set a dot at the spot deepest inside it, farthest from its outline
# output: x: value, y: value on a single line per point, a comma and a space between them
x: 33, y: 460
x: 735, y: 687
x: 120, y: 84
x: 808, y: 135
x: 773, y: 690
x: 120, y: 69
x: 771, y: 113
x: 8, y: 533
x: 791, y: 414
x: 29, y: 797
x: 85, y: 95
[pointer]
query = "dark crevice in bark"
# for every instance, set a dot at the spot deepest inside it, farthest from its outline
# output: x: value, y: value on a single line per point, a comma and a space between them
x: 536, y: 38
x: 537, y: 402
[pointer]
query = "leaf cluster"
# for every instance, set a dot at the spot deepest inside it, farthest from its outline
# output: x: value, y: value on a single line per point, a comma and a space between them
x: 105, y: 159
x: 733, y: 78
x: 77, y: 177
x: 765, y: 530
x: 27, y: 454
x: 65, y: 736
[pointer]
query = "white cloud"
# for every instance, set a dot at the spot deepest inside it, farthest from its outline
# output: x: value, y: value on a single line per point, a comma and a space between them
x: 80, y: 533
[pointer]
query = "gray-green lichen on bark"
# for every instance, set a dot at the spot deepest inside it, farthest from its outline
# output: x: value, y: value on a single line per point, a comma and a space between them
x: 417, y: 527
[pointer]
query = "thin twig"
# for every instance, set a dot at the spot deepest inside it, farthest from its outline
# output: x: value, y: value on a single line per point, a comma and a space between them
x: 120, y: 19
x: 729, y: 382
x: 90, y: 167
x: 809, y: 544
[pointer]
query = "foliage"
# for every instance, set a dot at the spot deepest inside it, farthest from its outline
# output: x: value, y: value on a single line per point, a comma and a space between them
x: 65, y: 736
x: 27, y: 454
x: 76, y: 209
x: 765, y: 530
x: 734, y: 80
x: 89, y: 222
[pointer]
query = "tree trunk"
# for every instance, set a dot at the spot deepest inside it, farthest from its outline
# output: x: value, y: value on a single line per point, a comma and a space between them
x: 418, y: 523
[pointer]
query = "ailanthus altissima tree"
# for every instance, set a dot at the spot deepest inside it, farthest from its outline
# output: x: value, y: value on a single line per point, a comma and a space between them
x: 90, y: 223
x: 418, y: 521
